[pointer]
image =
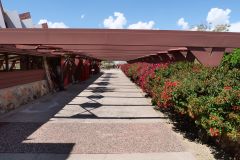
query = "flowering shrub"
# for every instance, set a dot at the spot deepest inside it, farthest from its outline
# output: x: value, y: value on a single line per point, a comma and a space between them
x: 141, y: 72
x: 210, y: 96
x: 165, y: 100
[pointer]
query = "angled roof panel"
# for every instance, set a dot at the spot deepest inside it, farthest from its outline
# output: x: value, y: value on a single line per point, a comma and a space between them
x: 12, y: 19
x: 2, y: 22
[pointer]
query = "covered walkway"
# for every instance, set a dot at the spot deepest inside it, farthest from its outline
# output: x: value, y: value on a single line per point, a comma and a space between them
x: 106, y: 117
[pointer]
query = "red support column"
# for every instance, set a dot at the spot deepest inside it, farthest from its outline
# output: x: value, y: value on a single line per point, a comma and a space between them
x: 6, y: 62
x: 190, y: 57
x: 65, y: 73
x: 77, y: 71
x: 86, y: 69
x: 81, y: 65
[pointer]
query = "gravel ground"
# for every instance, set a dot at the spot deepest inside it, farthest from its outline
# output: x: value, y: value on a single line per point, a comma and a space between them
x: 200, y: 151
x: 88, y: 138
x: 110, y: 116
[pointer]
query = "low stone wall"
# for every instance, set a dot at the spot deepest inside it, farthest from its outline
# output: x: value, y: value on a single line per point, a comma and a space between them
x: 11, y: 98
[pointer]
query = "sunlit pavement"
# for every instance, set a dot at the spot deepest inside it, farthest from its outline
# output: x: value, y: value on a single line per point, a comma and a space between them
x: 106, y: 117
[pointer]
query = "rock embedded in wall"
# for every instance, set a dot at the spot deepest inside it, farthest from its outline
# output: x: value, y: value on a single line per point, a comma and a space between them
x: 13, y: 97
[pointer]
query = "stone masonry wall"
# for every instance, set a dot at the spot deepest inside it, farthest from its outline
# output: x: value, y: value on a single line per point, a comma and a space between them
x: 11, y: 98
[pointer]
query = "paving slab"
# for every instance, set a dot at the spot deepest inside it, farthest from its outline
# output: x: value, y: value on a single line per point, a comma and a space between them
x: 106, y: 117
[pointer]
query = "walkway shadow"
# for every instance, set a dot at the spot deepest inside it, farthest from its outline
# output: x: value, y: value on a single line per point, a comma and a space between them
x: 107, y: 77
x: 105, y: 80
x: 102, y: 83
x: 95, y: 96
x: 100, y: 97
x: 14, y: 135
x: 93, y: 116
x: 93, y: 104
x: 100, y: 89
x: 90, y: 106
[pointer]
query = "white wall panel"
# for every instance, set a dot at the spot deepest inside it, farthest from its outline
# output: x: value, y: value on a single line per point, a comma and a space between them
x: 27, y: 23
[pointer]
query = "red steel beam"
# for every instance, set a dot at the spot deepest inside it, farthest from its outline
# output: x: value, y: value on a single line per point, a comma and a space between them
x: 112, y: 47
x: 117, y: 52
x: 120, y: 37
x: 100, y: 48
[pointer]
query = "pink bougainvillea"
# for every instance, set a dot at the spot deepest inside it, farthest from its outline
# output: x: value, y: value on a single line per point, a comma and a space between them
x: 143, y: 71
x: 166, y: 94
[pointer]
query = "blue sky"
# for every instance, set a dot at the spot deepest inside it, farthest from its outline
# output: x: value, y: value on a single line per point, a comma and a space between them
x: 164, y: 14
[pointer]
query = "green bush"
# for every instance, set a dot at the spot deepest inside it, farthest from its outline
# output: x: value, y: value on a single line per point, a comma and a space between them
x: 232, y: 60
x: 210, y: 96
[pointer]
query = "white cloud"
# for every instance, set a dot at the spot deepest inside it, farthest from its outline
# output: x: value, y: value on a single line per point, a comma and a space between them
x: 218, y: 16
x: 82, y: 16
x: 119, y: 21
x: 215, y: 17
x: 182, y: 23
x: 195, y: 28
x: 53, y: 24
x: 235, y: 27
x: 142, y: 25
x: 116, y: 22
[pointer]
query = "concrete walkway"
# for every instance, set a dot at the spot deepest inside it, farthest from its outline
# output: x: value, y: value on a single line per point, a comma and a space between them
x: 109, y: 119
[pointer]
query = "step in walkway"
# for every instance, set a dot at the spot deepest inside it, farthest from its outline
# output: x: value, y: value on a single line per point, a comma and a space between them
x: 104, y: 118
